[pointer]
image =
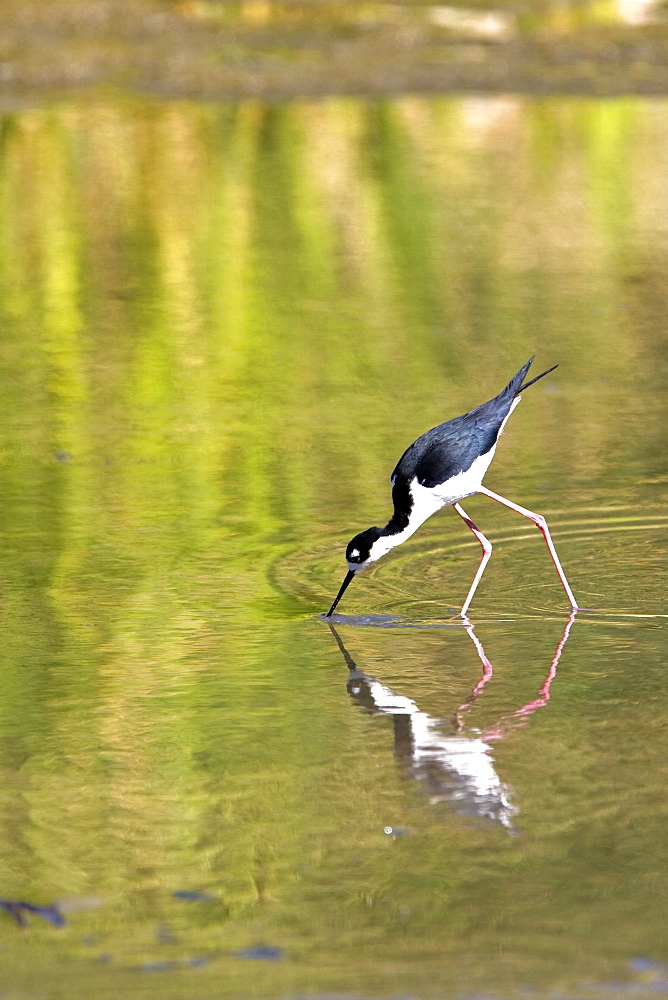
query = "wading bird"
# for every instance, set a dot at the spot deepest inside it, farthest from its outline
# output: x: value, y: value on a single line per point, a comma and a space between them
x: 438, y: 470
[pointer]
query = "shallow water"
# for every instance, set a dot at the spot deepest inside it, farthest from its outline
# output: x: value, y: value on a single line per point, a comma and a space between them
x: 221, y: 327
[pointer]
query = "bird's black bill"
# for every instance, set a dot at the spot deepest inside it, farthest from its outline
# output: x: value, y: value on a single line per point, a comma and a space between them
x: 350, y: 574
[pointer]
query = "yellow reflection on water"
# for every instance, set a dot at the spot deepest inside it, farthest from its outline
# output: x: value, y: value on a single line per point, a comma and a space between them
x: 221, y: 327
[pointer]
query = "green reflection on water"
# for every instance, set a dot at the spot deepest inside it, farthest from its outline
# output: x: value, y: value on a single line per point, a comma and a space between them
x: 209, y: 315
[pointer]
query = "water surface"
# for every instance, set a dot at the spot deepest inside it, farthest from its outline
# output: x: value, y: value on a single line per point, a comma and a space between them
x: 221, y: 326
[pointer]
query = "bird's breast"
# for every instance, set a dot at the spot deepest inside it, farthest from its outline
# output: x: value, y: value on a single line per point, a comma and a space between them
x: 428, y: 499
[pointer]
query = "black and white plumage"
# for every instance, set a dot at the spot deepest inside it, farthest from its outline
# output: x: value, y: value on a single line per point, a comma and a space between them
x: 443, y: 466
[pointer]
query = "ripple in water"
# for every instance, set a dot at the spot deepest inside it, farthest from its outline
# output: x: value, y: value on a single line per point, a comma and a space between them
x: 421, y: 583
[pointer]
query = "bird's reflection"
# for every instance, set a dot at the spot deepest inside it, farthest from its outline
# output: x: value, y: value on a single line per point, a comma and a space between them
x: 456, y: 767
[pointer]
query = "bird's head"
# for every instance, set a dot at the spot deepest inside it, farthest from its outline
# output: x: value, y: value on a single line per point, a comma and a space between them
x: 360, y: 551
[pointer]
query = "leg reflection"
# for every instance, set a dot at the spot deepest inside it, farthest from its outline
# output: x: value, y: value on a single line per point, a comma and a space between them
x: 520, y: 716
x: 455, y: 767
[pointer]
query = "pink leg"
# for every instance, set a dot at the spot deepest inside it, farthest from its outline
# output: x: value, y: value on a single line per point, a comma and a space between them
x: 540, y: 521
x: 544, y: 692
x: 507, y: 722
x: 486, y: 553
x: 487, y: 671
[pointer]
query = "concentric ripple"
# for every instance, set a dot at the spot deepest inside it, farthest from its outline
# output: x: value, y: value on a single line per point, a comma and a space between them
x: 609, y: 554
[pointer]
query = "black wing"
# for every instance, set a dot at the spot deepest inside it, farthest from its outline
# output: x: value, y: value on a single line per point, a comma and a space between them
x: 452, y: 447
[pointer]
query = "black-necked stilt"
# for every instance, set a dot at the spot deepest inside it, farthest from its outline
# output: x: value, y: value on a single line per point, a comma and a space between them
x: 442, y: 467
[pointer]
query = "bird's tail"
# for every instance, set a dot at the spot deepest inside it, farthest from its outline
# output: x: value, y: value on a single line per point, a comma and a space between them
x: 515, y: 386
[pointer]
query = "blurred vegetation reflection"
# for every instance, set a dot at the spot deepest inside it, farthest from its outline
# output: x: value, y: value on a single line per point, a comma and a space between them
x: 206, y: 313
